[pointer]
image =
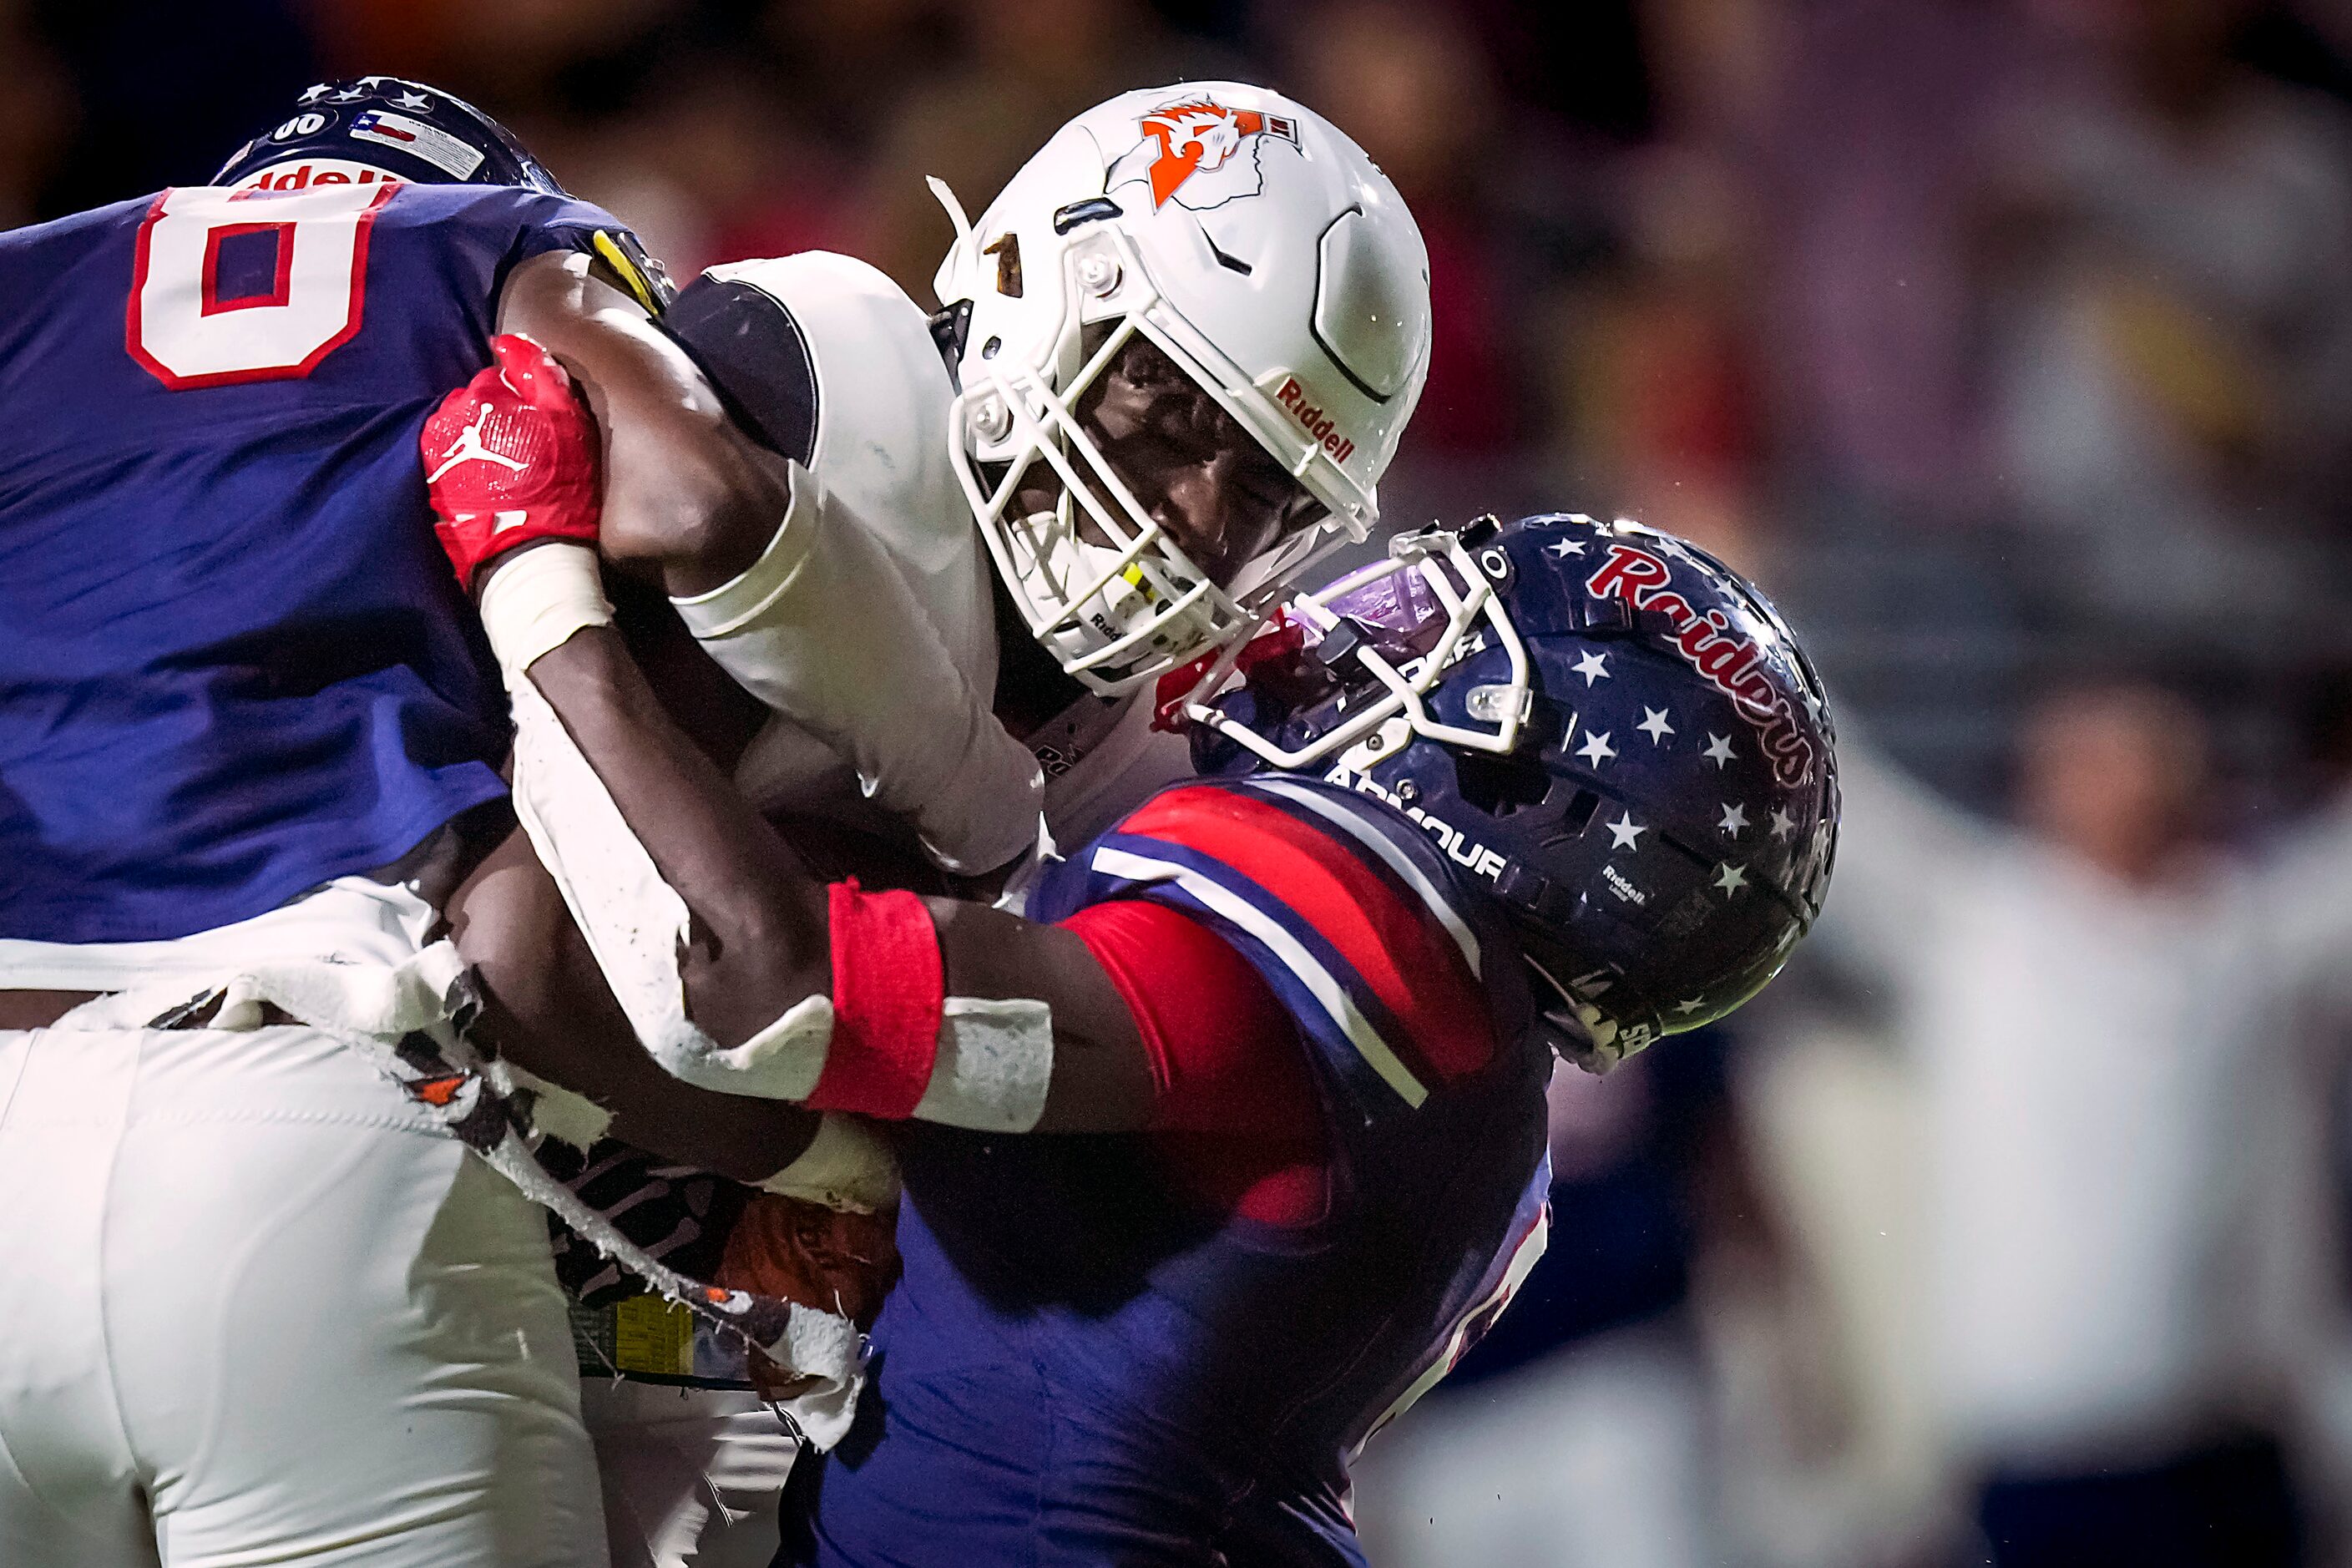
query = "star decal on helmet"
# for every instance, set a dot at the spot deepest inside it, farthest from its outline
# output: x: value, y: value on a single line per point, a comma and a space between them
x: 1700, y: 637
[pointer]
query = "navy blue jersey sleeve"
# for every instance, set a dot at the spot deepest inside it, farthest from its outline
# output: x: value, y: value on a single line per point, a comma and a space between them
x: 496, y: 228
x: 1400, y: 978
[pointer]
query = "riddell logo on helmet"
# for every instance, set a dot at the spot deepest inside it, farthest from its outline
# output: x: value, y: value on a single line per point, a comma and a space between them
x: 316, y: 172
x: 1641, y: 580
x: 1201, y: 154
x: 1318, y: 424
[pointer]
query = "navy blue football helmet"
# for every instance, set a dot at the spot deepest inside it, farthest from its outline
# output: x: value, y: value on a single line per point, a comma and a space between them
x: 385, y: 125
x: 1608, y: 730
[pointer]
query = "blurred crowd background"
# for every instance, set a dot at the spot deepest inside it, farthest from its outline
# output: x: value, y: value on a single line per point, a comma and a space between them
x: 2009, y: 343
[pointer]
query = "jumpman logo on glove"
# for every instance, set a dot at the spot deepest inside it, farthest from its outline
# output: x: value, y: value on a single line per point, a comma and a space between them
x: 469, y: 449
x: 510, y: 458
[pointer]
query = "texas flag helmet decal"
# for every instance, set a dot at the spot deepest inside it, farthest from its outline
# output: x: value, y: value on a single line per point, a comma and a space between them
x: 450, y: 154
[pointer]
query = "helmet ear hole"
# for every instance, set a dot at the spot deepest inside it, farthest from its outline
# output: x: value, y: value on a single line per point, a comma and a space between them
x: 1501, y: 787
x: 1582, y: 806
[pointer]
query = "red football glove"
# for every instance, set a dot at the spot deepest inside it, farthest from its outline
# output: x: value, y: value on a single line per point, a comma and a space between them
x: 510, y: 458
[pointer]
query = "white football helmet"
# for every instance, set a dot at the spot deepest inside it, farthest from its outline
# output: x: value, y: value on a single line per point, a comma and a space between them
x: 1261, y: 251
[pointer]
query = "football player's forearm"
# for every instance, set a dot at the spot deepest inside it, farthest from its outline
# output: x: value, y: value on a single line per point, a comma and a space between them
x: 791, y: 989
x: 547, y: 1009
x: 1031, y: 1034
x: 758, y: 945
x: 724, y: 952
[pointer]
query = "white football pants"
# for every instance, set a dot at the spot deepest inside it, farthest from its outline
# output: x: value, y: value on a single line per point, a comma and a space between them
x: 692, y: 1476
x: 253, y: 1309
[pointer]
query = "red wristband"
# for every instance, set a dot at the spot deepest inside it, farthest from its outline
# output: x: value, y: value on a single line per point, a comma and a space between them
x: 889, y: 994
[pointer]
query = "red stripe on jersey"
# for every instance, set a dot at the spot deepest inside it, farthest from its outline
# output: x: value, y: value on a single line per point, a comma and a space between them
x: 1391, y: 941
x: 1234, y: 1114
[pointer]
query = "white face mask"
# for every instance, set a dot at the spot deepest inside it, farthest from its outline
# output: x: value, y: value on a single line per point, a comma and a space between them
x: 1101, y: 583
x: 1124, y: 611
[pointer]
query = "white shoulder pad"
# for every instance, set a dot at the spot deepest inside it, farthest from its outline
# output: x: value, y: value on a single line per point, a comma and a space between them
x: 882, y: 401
x: 880, y: 454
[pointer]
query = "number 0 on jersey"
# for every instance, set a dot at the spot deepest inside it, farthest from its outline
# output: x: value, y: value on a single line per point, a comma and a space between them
x: 236, y: 286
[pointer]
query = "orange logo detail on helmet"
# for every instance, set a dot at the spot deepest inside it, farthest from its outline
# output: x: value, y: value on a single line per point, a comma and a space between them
x: 1205, y: 150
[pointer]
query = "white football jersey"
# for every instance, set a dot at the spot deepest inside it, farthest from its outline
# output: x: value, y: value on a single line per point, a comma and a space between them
x: 831, y: 364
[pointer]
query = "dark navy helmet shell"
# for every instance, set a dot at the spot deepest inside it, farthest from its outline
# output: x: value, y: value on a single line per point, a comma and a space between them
x: 1618, y: 738
x: 373, y: 126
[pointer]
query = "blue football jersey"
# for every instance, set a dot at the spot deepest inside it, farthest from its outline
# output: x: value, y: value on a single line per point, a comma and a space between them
x: 232, y: 662
x: 1080, y: 1365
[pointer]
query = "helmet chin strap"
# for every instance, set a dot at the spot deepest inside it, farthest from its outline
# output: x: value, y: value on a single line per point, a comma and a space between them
x: 1581, y: 1032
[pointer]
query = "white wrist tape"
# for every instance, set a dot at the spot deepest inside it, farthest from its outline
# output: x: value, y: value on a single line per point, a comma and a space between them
x: 824, y: 629
x: 535, y: 600
x: 995, y: 1064
x: 782, y: 1060
x: 846, y: 1166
